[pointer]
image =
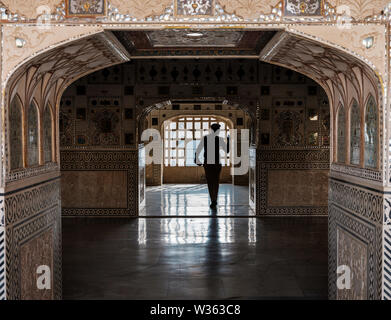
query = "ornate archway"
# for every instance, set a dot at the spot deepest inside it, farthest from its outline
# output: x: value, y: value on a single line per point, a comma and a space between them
x: 40, y: 63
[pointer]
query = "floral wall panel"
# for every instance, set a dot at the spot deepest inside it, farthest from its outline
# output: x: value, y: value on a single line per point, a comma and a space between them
x: 32, y: 136
x: 303, y: 8
x: 86, y: 8
x: 141, y: 9
x: 194, y: 7
x: 371, y: 134
x: 355, y: 134
x: 47, y: 132
x: 15, y: 123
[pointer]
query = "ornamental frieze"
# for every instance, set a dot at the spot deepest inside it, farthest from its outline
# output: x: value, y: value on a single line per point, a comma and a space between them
x: 170, y: 10
x: 140, y: 9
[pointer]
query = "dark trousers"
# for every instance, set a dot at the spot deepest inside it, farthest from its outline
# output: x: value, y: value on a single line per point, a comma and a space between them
x: 212, y: 173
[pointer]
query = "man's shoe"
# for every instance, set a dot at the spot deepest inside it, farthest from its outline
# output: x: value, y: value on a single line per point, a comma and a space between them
x: 213, y: 205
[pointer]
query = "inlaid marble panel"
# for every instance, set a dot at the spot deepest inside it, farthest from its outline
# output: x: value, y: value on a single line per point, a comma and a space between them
x: 15, y: 124
x: 194, y: 7
x: 33, y: 236
x: 86, y: 8
x: 289, y: 128
x: 32, y: 136
x: 356, y: 239
x: 34, y: 253
x: 101, y: 166
x: 47, y: 132
x: 353, y: 253
x: 341, y: 143
x: 297, y: 188
x: 303, y: 8
x: 355, y: 133
x: 292, y: 182
x: 387, y: 261
x: 2, y: 263
x: 94, y: 189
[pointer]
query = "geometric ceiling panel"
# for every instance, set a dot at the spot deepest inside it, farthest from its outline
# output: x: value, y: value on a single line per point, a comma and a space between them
x: 194, y: 43
x: 186, y: 38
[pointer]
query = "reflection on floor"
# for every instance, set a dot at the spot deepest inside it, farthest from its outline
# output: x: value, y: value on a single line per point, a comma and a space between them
x: 195, y: 258
x: 178, y: 200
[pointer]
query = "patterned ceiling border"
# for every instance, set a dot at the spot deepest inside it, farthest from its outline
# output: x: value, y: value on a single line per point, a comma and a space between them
x: 190, y: 11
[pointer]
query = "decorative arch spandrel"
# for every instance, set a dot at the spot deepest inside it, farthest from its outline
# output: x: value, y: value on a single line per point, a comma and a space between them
x: 249, y: 9
x: 37, y: 41
x: 141, y: 9
x: 360, y: 9
x: 351, y: 40
x: 31, y: 8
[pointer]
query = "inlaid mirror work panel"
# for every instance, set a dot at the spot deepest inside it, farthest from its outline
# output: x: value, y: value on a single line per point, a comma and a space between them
x: 355, y: 133
x: 47, y: 132
x: 16, y: 141
x: 341, y: 144
x: 32, y: 136
x: 371, y: 133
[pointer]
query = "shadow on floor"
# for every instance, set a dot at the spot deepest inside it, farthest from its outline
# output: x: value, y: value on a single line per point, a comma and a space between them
x: 195, y: 258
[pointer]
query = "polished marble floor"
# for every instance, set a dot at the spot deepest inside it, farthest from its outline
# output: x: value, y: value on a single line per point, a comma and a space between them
x: 183, y: 250
x: 195, y: 258
x: 192, y: 200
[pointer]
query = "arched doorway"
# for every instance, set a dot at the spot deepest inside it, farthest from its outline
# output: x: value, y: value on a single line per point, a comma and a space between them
x: 180, y: 181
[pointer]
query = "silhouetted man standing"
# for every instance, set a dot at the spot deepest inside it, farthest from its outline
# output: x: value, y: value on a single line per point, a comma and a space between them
x: 212, y: 144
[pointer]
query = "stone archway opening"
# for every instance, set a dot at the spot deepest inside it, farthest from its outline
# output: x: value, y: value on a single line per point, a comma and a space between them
x: 33, y: 188
x: 181, y: 124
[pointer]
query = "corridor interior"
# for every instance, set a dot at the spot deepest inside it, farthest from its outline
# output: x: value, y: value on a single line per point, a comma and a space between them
x: 181, y: 249
x: 176, y: 247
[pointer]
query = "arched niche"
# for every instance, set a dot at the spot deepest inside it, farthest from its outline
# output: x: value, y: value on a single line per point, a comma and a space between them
x: 341, y: 135
x: 371, y: 139
x: 48, y: 134
x: 32, y: 135
x: 355, y: 133
x: 16, y: 134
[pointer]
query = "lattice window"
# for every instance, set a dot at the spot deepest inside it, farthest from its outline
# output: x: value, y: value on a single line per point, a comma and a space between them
x: 47, y: 131
x: 16, y: 144
x: 341, y: 144
x: 355, y: 133
x: 182, y: 136
x: 32, y: 136
x: 371, y: 133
